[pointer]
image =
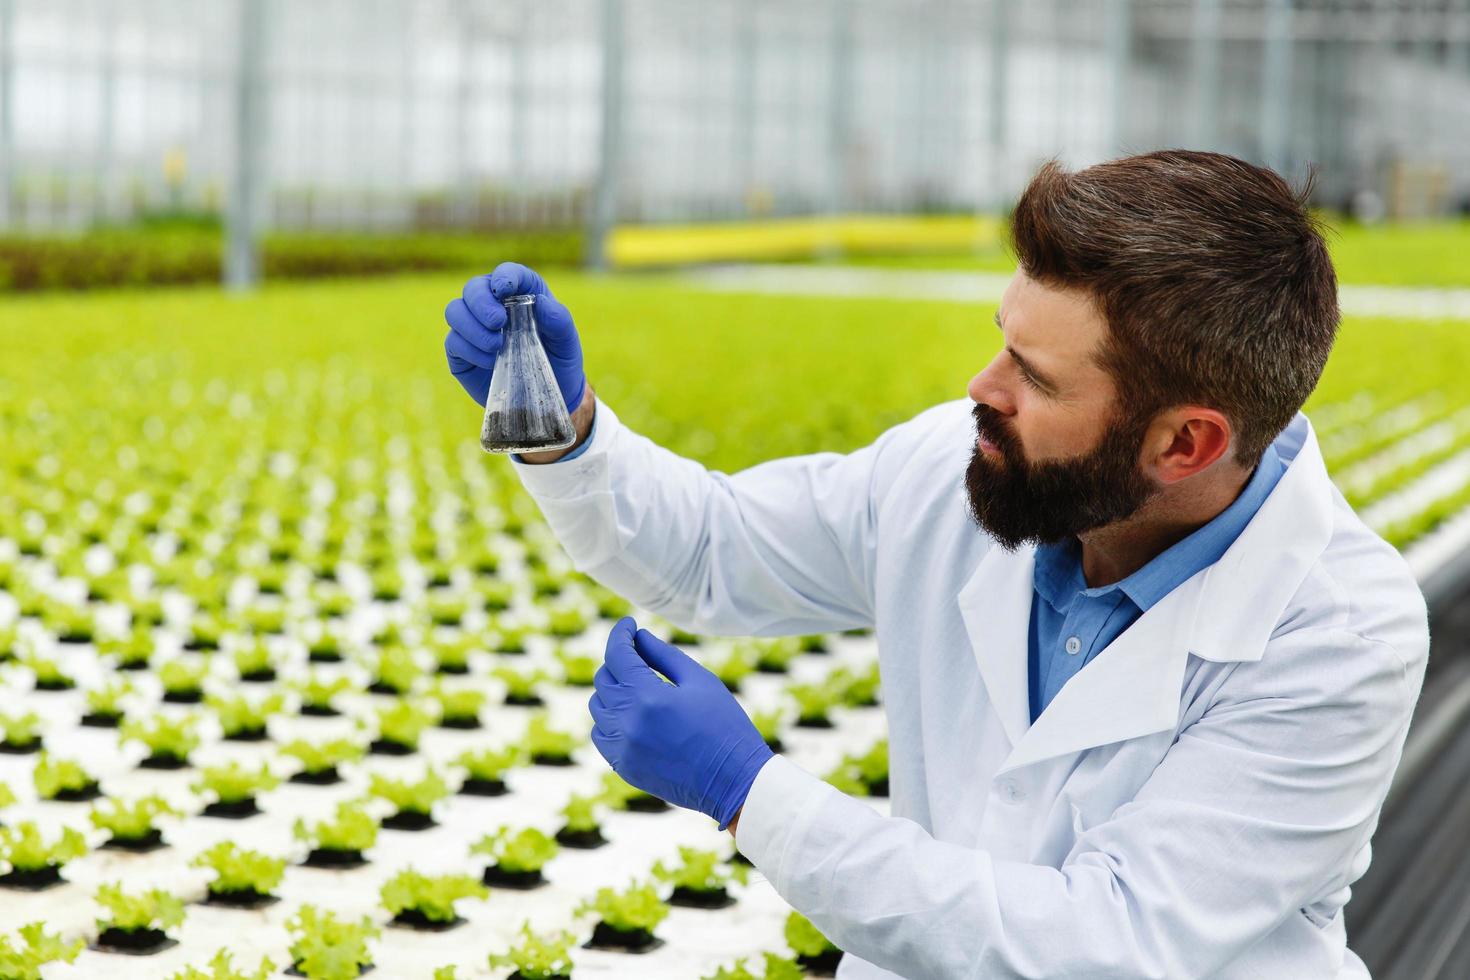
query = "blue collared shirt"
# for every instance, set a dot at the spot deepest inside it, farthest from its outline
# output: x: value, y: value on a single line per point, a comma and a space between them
x: 1071, y: 624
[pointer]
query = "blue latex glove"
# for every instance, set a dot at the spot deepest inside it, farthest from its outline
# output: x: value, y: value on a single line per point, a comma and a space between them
x: 688, y: 743
x: 477, y: 318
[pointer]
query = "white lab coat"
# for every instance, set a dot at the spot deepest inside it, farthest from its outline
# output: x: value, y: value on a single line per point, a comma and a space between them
x: 1194, y: 803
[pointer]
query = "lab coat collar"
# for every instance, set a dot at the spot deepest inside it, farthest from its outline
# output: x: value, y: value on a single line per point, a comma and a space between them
x: 1224, y: 612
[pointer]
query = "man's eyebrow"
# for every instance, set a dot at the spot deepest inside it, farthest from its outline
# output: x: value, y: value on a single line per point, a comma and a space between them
x: 1044, y: 380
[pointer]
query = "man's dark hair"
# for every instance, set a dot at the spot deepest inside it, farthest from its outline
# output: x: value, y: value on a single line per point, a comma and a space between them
x: 1212, y: 276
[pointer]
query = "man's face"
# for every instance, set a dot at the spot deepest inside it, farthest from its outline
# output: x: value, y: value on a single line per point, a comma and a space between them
x: 1057, y: 462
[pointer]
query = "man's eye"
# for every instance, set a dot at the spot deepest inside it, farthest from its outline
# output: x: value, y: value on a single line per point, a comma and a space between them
x: 1030, y: 380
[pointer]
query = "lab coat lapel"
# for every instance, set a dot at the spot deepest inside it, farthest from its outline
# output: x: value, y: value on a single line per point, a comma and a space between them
x: 1132, y: 688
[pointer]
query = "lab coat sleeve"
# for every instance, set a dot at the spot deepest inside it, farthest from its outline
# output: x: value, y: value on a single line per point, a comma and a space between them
x: 1255, y: 811
x: 780, y: 548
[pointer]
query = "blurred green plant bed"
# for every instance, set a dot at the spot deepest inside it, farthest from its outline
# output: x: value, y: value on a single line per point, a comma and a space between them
x: 1431, y: 253
x: 183, y: 253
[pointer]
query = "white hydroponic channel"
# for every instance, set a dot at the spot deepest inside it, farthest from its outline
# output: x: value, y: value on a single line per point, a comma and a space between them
x: 696, y: 941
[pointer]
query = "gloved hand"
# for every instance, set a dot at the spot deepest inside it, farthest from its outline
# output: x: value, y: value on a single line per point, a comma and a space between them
x: 477, y: 318
x: 688, y: 743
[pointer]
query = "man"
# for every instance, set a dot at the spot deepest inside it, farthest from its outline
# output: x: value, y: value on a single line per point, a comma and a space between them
x: 1146, y: 675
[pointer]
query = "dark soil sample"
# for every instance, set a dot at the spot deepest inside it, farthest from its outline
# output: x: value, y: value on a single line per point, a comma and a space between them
x: 519, y: 429
x: 582, y: 839
x: 647, y: 804
x: 322, y: 777
x: 260, y: 676
x: 294, y: 972
x: 453, y: 668
x: 201, y: 643
x: 386, y: 746
x: 605, y: 936
x: 483, y: 787
x: 132, y: 665
x: 325, y: 656
x: 771, y: 669
x: 524, y: 700
x: 878, y: 787
x: 77, y: 637
x: 101, y: 719
x: 337, y: 860
x: 233, y: 810
x: 414, y: 919
x: 132, y: 942
x: 78, y: 794
x: 32, y: 879
x: 151, y: 841
x: 163, y: 762
x: 247, y: 735
x: 21, y: 748
x: 378, y: 687
x: 248, y: 898
x: 61, y: 685
x: 542, y: 759
x: 519, y: 880
x: 461, y: 723
x: 717, y: 898
x: 824, y: 964
x: 814, y: 723
x: 409, y: 820
x: 184, y: 697
x: 319, y: 711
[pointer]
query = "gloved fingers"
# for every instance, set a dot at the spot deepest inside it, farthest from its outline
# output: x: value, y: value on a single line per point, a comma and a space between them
x: 602, y: 715
x: 607, y: 746
x: 621, y: 660
x: 558, y: 334
x: 666, y: 658
x: 513, y: 279
x: 478, y: 332
x: 465, y: 356
x: 603, y: 679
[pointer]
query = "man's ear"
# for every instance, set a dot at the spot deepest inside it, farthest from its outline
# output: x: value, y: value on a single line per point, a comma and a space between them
x: 1187, y: 440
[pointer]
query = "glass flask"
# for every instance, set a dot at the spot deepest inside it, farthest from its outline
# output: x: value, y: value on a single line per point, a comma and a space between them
x: 524, y: 410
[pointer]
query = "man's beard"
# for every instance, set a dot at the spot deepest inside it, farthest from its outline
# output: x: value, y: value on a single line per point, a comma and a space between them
x: 1015, y: 501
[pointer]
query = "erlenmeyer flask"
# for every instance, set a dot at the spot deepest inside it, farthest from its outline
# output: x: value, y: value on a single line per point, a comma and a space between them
x: 524, y: 410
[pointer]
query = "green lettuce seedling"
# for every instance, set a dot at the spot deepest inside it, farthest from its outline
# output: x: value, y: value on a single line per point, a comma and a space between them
x: 856, y: 690
x: 254, y: 660
x: 545, y: 742
x: 491, y: 764
x: 239, y: 870
x: 699, y: 873
x: 617, y: 792
x: 240, y: 717
x: 22, y: 849
x: 458, y: 707
x: 154, y: 908
x: 133, y: 652
x: 577, y: 668
x: 496, y: 594
x: 106, y: 701
x: 526, y: 850
x: 859, y: 774
x: 7, y: 798
x: 317, y: 691
x: 538, y: 956
x: 776, y: 654
x: 546, y: 583
x: 327, y: 948
x: 610, y: 605
x: 182, y: 678
x: 350, y: 828
x: 430, y: 897
x: 48, y: 673
x: 813, y: 701
x: 34, y: 947
x: 402, y: 722
x: 520, y: 686
x: 318, y: 757
x: 452, y: 656
x: 734, y: 667
x: 580, y: 812
x: 511, y: 639
x: 327, y: 647
x: 635, y: 908
x: 566, y: 621
x: 804, y: 938
x: 446, y: 610
x: 410, y: 797
x: 233, y: 783
x: 777, y: 967
x: 769, y: 723
x: 168, y: 740
x: 54, y: 775
x: 397, y: 670
x: 222, y: 967
x: 130, y: 821
x: 20, y: 732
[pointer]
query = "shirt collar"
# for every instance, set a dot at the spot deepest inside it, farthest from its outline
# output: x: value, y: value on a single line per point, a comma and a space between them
x: 1058, y: 571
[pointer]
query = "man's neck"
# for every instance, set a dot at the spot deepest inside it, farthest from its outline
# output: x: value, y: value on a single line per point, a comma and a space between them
x: 1112, y: 553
